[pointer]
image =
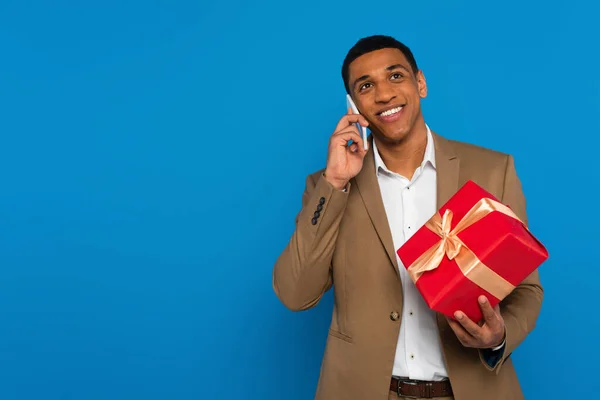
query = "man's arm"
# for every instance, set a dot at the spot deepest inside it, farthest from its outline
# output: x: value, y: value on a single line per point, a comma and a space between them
x: 520, y: 310
x: 302, y: 273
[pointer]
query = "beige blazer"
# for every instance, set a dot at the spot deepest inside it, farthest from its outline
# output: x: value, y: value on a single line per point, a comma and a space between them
x: 350, y: 245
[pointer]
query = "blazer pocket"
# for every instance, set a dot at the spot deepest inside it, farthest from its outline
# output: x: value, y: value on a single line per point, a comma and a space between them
x: 340, y: 335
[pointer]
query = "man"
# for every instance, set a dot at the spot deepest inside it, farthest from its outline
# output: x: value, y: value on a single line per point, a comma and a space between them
x: 384, y: 342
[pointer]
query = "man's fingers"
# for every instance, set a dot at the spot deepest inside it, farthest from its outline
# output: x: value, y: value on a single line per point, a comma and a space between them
x: 349, y: 119
x: 463, y: 336
x: 472, y: 334
x: 471, y: 327
x: 347, y: 135
x: 489, y: 315
x: 354, y: 148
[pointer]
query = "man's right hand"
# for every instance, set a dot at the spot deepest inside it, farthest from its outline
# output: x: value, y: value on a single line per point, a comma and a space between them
x: 345, y: 162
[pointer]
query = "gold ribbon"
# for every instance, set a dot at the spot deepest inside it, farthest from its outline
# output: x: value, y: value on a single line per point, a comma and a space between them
x: 450, y: 245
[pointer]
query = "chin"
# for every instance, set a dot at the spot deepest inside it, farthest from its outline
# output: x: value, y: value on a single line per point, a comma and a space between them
x: 395, y: 135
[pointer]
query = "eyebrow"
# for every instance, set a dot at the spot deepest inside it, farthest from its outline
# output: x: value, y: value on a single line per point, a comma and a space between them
x: 390, y: 68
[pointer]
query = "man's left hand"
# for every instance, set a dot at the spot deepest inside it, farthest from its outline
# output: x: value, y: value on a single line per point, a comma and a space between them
x: 489, y: 335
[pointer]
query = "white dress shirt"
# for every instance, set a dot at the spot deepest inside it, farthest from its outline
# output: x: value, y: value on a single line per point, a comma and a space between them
x: 409, y: 204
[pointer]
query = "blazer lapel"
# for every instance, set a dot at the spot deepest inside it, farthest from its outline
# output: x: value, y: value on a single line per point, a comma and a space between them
x: 368, y: 187
x: 447, y: 169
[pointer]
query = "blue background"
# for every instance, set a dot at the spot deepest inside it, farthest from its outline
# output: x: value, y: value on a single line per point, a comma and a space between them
x: 153, y: 156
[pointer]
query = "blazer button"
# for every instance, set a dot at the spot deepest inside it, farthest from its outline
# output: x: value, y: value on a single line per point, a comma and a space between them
x: 322, y: 200
x: 314, y: 221
x: 394, y: 316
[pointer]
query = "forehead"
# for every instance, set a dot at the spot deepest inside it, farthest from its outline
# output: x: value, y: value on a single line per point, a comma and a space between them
x: 376, y: 62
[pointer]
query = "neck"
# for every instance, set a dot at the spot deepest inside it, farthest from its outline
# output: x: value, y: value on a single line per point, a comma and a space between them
x: 405, y: 156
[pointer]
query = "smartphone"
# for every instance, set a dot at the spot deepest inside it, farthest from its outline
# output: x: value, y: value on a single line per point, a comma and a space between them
x: 360, y: 128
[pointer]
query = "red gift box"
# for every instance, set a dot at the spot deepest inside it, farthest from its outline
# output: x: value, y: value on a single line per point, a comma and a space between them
x: 474, y: 245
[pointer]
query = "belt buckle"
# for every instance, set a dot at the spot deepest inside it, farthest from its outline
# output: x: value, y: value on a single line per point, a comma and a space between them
x: 408, y: 382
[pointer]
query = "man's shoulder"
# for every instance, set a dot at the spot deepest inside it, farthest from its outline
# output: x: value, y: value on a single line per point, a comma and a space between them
x: 471, y: 149
x: 477, y: 154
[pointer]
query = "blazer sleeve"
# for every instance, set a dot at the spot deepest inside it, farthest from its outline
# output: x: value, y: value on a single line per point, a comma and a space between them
x: 303, y: 271
x: 520, y: 309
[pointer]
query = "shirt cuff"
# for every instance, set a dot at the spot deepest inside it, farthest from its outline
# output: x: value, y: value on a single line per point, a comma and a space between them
x: 499, y: 347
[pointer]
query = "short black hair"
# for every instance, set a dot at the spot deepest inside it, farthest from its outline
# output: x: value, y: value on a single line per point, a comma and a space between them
x: 372, y: 43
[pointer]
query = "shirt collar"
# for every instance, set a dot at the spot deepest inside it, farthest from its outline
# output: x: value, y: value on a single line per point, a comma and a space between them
x: 428, y: 158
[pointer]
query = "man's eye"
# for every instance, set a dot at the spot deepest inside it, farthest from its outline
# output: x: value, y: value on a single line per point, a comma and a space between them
x: 396, y: 76
x: 365, y: 86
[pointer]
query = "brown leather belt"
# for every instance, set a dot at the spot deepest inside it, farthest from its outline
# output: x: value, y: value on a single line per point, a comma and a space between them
x: 420, y: 389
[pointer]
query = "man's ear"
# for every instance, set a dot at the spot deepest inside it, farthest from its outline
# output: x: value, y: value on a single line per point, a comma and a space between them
x: 422, y: 84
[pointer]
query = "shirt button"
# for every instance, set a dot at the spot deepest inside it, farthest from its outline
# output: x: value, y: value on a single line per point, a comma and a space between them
x: 412, y: 356
x: 411, y: 313
x: 394, y: 316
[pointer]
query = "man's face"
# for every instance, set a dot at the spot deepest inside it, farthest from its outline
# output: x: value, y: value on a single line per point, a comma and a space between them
x: 387, y: 92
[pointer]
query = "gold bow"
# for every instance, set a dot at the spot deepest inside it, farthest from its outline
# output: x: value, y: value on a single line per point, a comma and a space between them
x: 450, y: 245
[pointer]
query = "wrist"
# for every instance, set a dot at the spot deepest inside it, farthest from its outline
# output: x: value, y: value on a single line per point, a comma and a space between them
x: 336, y: 183
x: 499, y: 345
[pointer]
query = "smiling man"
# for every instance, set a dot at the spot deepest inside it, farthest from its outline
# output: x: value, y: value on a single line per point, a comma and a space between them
x: 384, y: 342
